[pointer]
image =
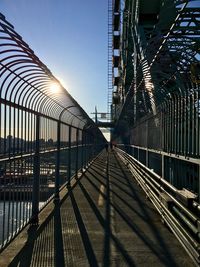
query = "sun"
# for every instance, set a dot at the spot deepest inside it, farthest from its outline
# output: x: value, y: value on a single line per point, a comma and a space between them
x: 54, y: 87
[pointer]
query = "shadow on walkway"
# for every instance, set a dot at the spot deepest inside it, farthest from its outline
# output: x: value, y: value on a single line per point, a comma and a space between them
x: 120, y: 232
x: 39, y: 241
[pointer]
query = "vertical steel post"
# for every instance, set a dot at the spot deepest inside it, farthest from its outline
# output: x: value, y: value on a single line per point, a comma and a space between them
x: 57, y: 178
x: 147, y: 134
x: 163, y: 166
x: 82, y: 151
x: 91, y: 146
x: 184, y: 125
x: 172, y: 125
x: 86, y: 149
x: 169, y: 127
x: 147, y: 157
x: 181, y: 124
x: 77, y: 150
x: 147, y: 143
x: 192, y: 101
x: 198, y: 124
x: 69, y: 155
x: 175, y: 124
x: 36, y: 174
x: 94, y: 147
x: 199, y: 181
x: 188, y: 125
x: 167, y: 134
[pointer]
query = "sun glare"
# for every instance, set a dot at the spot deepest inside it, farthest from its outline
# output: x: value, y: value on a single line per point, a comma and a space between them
x: 54, y: 87
x: 61, y: 81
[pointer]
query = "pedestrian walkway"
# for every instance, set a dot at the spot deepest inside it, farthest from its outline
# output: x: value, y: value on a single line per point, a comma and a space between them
x: 102, y: 219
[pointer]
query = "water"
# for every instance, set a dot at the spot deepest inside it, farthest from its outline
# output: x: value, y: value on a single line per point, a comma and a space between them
x: 13, y: 215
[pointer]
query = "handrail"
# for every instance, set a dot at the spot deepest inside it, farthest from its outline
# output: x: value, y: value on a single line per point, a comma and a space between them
x: 45, y: 135
x: 171, y: 203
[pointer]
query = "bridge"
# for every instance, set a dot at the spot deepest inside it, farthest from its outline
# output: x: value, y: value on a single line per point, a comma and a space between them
x: 68, y: 200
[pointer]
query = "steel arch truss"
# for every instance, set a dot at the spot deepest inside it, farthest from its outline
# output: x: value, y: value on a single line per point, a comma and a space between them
x: 160, y: 45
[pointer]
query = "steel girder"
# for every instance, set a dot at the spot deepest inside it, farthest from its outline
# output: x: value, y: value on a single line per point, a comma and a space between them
x: 165, y: 58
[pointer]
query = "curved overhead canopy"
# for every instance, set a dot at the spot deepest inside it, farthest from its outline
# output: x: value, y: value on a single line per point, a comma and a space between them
x: 28, y: 83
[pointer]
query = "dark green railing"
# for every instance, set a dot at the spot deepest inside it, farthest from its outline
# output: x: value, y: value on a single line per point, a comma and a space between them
x: 45, y: 136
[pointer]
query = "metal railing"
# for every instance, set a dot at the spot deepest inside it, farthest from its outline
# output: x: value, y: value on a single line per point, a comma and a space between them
x: 178, y: 208
x: 180, y: 171
x: 45, y: 136
x: 175, y: 127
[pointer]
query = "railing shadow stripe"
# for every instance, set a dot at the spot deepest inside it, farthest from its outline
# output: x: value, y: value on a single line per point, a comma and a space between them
x: 84, y: 235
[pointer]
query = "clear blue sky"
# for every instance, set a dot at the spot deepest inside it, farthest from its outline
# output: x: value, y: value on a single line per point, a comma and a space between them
x: 70, y: 37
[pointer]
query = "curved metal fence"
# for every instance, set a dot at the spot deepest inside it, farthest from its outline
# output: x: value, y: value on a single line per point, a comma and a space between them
x: 45, y: 137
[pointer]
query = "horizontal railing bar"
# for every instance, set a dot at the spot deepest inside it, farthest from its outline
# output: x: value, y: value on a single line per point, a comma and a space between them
x: 21, y: 156
x: 31, y: 111
x: 161, y: 152
x: 168, y: 185
x: 182, y: 221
